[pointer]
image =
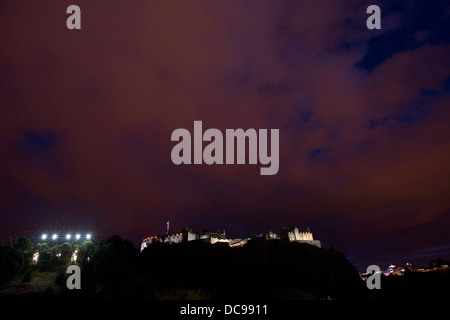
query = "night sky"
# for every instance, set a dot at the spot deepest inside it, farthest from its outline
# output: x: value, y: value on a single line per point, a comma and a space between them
x: 87, y: 117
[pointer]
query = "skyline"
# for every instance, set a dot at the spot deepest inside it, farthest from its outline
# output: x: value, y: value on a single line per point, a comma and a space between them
x: 87, y: 118
x: 421, y: 260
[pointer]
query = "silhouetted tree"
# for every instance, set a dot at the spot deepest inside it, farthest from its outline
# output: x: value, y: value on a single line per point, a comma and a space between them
x: 114, y: 262
x: 44, y: 254
x: 25, y: 246
x: 66, y: 249
x: 85, y: 252
x: 11, y: 264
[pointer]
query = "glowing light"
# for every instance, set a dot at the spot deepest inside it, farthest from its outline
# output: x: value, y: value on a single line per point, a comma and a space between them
x: 68, y: 236
x: 74, y: 256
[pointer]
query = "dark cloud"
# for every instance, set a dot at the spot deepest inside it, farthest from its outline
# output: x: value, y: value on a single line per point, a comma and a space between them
x: 87, y: 117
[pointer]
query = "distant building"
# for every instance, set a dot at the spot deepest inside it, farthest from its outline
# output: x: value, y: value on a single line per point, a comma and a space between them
x: 188, y: 235
x: 293, y: 234
x: 300, y: 235
x: 266, y: 236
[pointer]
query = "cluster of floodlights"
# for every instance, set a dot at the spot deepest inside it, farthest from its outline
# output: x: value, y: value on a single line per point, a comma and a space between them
x: 68, y: 236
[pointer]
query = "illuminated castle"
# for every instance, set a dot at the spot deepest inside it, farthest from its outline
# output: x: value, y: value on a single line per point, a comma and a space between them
x: 300, y: 235
x: 292, y: 234
x: 188, y: 235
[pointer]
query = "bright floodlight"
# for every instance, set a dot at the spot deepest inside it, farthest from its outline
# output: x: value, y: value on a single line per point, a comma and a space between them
x: 77, y: 236
x: 88, y: 236
x: 68, y: 236
x: 44, y: 236
x: 54, y: 237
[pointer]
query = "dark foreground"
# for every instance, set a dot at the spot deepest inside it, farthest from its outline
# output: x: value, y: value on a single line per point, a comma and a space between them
x: 259, y: 271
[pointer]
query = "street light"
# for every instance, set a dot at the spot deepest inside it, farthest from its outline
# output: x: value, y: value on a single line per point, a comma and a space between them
x: 68, y: 236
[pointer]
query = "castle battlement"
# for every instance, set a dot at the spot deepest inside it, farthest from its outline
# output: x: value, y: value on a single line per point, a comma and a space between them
x: 300, y: 235
x: 293, y: 234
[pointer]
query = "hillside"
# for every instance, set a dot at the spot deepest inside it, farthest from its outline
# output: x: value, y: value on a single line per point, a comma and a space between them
x: 194, y: 270
x: 274, y: 269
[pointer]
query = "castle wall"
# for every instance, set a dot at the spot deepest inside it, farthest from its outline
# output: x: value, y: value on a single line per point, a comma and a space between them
x: 311, y: 242
x: 293, y: 234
